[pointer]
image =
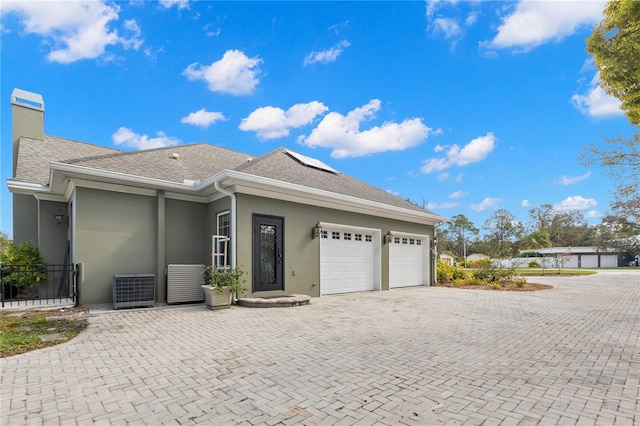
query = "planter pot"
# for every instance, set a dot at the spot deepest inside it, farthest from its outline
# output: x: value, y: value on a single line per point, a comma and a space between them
x: 216, y: 299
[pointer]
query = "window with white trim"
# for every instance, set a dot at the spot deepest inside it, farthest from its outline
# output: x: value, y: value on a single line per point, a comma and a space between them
x: 223, y: 228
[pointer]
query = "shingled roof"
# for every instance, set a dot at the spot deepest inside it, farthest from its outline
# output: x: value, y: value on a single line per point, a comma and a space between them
x: 281, y: 166
x: 174, y: 164
x: 190, y: 162
x: 34, y: 156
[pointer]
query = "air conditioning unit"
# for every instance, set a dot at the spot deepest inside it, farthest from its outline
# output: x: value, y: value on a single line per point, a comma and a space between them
x: 183, y: 283
x: 132, y: 291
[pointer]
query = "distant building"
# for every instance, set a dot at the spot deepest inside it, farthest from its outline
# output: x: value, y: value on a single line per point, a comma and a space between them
x: 580, y: 257
x: 447, y: 258
x: 476, y: 256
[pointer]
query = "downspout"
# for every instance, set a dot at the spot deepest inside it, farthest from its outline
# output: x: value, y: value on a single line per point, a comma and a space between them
x: 234, y: 228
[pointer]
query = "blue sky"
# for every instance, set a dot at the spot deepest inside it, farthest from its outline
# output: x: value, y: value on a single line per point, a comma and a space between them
x: 466, y: 107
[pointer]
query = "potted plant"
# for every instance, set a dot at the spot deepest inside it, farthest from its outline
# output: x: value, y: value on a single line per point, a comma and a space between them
x: 221, y: 285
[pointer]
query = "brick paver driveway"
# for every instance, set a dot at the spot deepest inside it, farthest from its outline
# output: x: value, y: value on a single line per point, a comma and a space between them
x: 411, y: 356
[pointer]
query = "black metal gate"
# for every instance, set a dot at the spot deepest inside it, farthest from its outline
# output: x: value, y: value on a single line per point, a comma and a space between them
x: 27, y: 285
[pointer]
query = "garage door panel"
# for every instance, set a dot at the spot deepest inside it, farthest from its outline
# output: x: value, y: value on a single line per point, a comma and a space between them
x: 346, y: 262
x: 407, y: 261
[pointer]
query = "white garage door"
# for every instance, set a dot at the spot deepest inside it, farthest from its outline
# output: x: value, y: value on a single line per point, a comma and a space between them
x: 589, y: 261
x: 408, y: 261
x: 347, y: 261
x: 608, y: 260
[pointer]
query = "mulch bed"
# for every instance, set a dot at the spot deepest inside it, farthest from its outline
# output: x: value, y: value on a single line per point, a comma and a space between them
x: 504, y: 287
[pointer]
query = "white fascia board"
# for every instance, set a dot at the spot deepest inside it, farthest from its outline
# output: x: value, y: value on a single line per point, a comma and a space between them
x: 105, y: 175
x: 44, y: 196
x: 256, y: 185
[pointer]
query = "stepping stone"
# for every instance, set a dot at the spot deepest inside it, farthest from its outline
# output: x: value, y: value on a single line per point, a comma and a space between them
x: 52, y: 337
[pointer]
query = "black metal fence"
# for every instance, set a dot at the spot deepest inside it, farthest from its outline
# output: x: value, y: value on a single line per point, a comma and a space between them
x: 26, y: 285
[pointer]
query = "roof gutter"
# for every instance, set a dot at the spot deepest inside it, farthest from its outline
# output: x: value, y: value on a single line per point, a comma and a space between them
x: 19, y: 186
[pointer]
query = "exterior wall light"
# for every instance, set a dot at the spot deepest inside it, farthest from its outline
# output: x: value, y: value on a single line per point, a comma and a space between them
x: 58, y: 216
x: 316, y: 230
x: 387, y: 237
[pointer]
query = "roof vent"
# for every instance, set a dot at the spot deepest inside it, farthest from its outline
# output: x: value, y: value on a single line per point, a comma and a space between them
x: 174, y: 156
x: 249, y: 159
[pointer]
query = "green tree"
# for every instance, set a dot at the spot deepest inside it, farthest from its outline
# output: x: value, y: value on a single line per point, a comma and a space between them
x: 460, y: 229
x: 615, y: 46
x: 620, y: 158
x: 535, y: 240
x: 542, y: 216
x: 569, y: 229
x: 4, y: 242
x: 502, y: 231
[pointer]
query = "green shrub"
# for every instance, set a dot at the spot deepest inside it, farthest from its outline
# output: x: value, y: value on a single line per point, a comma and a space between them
x: 444, y: 271
x: 519, y: 281
x: 460, y: 274
x: 450, y: 273
x: 534, y: 264
x: 29, y: 270
x: 493, y: 272
x: 480, y: 263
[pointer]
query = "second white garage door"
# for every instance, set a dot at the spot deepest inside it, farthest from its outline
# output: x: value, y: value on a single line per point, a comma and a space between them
x: 408, y: 260
x: 347, y: 260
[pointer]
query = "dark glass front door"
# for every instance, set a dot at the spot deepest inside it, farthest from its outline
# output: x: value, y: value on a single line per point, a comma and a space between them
x: 268, y: 252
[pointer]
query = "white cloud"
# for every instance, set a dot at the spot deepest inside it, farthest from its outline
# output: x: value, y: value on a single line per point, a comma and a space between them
x: 525, y: 203
x: 180, y: 4
x: 577, y: 202
x: 453, y: 25
x: 475, y: 151
x: 567, y: 180
x: 448, y: 27
x: 203, y: 118
x: 326, y: 56
x: 210, y: 32
x: 487, y: 203
x: 342, y: 133
x: 443, y: 176
x: 441, y: 206
x: 458, y: 194
x: 75, y: 29
x: 471, y: 19
x: 458, y: 178
x: 127, y: 138
x: 593, y: 214
x: 392, y: 192
x: 235, y: 73
x: 272, y: 122
x: 596, y: 102
x: 534, y: 23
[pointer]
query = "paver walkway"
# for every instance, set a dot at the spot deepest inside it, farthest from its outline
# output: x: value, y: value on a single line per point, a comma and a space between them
x: 409, y: 356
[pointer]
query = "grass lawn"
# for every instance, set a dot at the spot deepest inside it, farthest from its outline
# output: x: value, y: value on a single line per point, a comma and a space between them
x: 25, y: 331
x: 549, y: 271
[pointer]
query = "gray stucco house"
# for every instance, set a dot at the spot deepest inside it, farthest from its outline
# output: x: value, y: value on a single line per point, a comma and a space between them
x: 294, y: 224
